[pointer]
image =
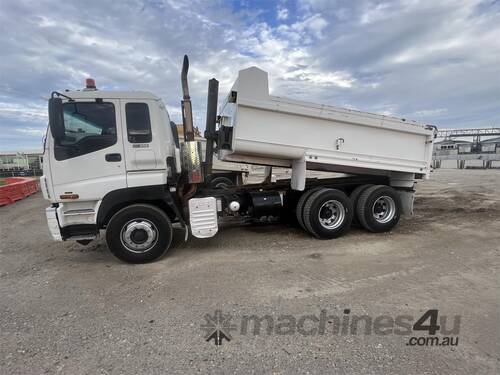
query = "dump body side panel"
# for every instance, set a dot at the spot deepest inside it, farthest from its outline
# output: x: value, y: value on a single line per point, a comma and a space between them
x: 280, y: 129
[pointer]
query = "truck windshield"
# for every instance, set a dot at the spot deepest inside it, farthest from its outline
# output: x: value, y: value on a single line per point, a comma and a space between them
x: 88, y: 127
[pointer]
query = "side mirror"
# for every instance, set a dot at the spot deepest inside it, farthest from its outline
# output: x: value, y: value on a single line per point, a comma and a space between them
x: 56, y: 118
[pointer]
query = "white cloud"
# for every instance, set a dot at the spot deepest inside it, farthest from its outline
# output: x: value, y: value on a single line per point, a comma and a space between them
x: 340, y: 79
x: 34, y: 132
x: 281, y: 13
x: 375, y: 12
x: 312, y: 25
x: 24, y: 112
x: 430, y: 112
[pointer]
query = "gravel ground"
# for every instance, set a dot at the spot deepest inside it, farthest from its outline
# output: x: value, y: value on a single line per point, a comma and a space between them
x: 70, y: 309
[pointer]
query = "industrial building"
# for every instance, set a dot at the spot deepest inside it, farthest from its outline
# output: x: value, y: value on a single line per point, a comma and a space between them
x: 456, y: 152
x: 21, y: 163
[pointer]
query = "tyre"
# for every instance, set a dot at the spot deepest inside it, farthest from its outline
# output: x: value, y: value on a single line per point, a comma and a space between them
x: 139, y: 233
x: 221, y: 183
x: 378, y: 208
x: 299, y: 209
x: 354, y: 199
x: 328, y: 213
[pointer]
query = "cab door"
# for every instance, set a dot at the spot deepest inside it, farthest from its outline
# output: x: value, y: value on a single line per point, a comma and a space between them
x: 141, y: 140
x: 89, y: 161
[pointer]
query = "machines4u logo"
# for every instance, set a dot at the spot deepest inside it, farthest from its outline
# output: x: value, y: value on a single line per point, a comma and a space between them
x: 435, y: 329
x: 218, y: 327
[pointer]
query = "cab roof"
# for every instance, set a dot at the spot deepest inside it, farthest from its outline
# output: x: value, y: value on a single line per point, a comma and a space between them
x: 93, y: 94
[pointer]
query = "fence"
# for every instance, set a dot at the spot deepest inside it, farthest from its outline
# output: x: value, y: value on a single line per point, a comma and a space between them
x: 17, y: 188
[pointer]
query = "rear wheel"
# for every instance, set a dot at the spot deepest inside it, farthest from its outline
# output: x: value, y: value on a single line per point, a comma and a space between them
x: 328, y: 213
x: 379, y: 208
x: 221, y: 183
x: 139, y: 233
x: 299, y: 209
x: 354, y: 199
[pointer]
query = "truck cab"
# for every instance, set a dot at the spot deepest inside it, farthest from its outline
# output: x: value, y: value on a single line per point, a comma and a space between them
x: 112, y: 143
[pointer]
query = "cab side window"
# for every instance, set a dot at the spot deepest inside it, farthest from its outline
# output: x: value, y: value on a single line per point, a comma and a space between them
x: 138, y: 123
x: 88, y: 127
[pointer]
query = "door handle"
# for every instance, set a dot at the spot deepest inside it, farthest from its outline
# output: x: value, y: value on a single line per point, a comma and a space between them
x: 113, y: 157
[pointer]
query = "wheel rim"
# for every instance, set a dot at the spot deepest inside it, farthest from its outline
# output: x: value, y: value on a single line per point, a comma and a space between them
x: 384, y: 209
x: 139, y: 235
x: 331, y: 214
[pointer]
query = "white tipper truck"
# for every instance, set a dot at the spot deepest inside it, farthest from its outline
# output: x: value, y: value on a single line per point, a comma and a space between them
x: 113, y: 161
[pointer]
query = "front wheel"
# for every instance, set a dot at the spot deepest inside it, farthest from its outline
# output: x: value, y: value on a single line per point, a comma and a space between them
x: 139, y: 233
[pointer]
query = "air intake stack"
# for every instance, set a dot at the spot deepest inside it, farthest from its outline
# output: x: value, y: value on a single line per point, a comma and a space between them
x: 210, y: 133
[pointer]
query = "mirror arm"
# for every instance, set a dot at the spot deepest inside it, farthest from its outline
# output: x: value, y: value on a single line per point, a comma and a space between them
x: 54, y: 93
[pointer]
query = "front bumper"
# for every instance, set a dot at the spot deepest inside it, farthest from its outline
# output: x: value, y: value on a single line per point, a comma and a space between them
x: 53, y: 223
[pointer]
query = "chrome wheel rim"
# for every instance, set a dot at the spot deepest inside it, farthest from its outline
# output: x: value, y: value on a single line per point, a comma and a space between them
x: 384, y: 209
x: 139, y: 235
x: 331, y: 214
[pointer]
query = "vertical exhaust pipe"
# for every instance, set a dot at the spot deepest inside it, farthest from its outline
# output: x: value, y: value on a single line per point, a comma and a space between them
x: 210, y: 134
x: 191, y: 153
x: 187, y: 111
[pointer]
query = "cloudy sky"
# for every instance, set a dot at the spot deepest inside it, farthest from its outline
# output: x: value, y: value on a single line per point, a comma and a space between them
x: 433, y: 61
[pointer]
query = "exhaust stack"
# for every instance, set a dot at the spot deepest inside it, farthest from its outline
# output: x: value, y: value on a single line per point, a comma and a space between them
x: 187, y: 111
x: 191, y: 151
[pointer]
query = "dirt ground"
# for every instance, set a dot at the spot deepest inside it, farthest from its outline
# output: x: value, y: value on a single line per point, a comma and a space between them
x: 70, y: 309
